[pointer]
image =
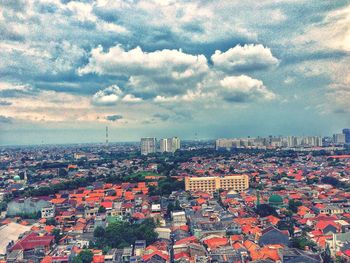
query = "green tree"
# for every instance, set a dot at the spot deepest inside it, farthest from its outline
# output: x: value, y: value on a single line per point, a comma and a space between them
x: 293, y: 205
x: 85, y: 256
x: 264, y: 210
x: 57, y: 234
x: 51, y: 222
x: 99, y: 232
x: 102, y: 209
x: 302, y: 242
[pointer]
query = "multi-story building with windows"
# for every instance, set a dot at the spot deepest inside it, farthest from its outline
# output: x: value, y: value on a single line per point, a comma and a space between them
x: 211, y: 184
x: 339, y: 138
x: 346, y: 133
x: 169, y: 144
x: 148, y: 145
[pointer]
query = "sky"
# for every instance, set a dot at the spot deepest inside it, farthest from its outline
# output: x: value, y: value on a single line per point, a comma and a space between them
x: 194, y: 69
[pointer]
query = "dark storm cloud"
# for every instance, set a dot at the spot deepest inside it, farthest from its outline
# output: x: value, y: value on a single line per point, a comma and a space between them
x: 5, y: 120
x: 114, y: 118
x: 162, y: 116
x: 5, y: 103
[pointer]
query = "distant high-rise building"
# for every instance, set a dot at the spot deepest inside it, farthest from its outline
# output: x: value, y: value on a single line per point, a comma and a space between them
x: 176, y: 144
x: 346, y: 132
x: 169, y: 144
x: 339, y: 138
x: 163, y: 145
x: 148, y: 145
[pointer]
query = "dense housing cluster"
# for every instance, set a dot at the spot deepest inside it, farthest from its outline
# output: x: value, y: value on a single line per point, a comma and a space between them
x: 110, y: 203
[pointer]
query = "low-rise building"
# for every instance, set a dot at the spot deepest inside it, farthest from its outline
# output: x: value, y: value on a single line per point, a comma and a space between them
x: 211, y: 184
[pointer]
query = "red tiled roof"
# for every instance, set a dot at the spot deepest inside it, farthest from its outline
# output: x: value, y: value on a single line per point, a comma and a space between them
x: 216, y: 242
x: 32, y: 241
x: 187, y: 240
x: 98, y: 259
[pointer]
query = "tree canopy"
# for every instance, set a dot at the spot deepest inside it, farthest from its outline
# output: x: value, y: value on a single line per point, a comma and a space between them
x: 121, y: 234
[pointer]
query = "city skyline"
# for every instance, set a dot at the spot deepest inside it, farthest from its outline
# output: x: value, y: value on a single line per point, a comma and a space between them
x: 219, y: 70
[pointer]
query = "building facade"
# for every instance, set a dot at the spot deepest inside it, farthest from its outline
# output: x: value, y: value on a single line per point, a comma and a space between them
x: 148, y: 145
x: 339, y: 138
x: 211, y: 184
x: 346, y: 132
x: 169, y: 144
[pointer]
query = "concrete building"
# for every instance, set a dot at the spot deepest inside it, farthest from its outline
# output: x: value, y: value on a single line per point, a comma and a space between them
x: 148, y: 145
x: 139, y: 248
x: 346, y: 132
x: 211, y: 184
x: 26, y: 206
x: 163, y: 145
x: 48, y: 212
x: 178, y: 218
x: 169, y: 145
x: 163, y: 232
x: 339, y: 138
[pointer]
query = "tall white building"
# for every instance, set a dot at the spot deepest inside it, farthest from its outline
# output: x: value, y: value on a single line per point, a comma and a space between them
x: 339, y: 138
x: 169, y: 144
x: 163, y: 145
x: 176, y: 144
x: 148, y: 145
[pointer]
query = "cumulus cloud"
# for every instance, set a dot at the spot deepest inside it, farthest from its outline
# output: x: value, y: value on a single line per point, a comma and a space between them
x: 111, y: 95
x: 114, y: 118
x: 108, y: 96
x: 244, y: 89
x: 161, y: 72
x: 162, y: 68
x: 169, y: 76
x: 241, y: 58
x: 130, y: 98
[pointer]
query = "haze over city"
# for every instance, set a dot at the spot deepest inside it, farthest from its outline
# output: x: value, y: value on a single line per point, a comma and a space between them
x: 169, y: 68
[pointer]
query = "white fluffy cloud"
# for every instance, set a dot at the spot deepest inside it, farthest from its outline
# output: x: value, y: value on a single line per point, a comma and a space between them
x: 172, y: 75
x: 163, y: 72
x: 117, y: 61
x: 247, y: 57
x: 244, y: 89
x: 111, y: 95
x: 107, y: 96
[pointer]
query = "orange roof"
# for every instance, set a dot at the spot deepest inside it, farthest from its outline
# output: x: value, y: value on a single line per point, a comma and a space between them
x: 273, y: 220
x: 250, y: 245
x: 107, y: 205
x: 246, y: 220
x: 236, y: 238
x: 216, y: 242
x: 49, y: 228
x: 201, y: 201
x: 98, y: 259
x: 46, y: 259
x: 187, y: 240
x: 158, y: 253
x: 57, y: 200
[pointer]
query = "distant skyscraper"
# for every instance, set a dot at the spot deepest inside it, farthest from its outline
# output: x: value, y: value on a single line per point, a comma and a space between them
x: 346, y: 132
x: 148, y: 145
x: 176, y: 144
x: 339, y: 138
x: 163, y: 145
x: 169, y: 144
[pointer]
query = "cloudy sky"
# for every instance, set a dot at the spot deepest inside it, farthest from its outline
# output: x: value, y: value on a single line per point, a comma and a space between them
x: 162, y: 68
